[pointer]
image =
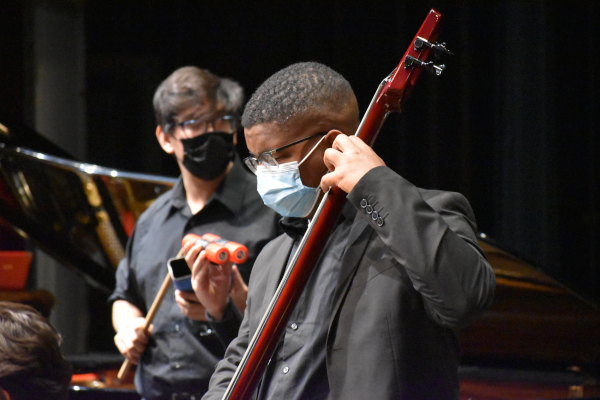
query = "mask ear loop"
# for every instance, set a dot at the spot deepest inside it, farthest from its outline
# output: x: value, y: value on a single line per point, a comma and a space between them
x: 308, y: 155
x: 313, y: 149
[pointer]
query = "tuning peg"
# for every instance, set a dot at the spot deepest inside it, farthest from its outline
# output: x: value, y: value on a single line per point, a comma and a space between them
x: 438, y: 48
x: 430, y: 67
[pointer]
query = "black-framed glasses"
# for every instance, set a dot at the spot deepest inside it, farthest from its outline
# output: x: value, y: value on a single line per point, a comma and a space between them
x: 226, y: 123
x: 266, y: 158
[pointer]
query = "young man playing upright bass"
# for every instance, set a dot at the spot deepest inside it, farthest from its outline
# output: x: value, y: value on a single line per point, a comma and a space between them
x: 379, y: 316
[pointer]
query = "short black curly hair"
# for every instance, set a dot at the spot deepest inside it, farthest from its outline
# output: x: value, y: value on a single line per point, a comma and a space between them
x: 295, y: 90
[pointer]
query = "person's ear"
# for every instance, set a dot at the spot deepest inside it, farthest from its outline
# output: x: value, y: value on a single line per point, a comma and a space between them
x: 4, y: 395
x: 164, y: 139
x: 331, y: 135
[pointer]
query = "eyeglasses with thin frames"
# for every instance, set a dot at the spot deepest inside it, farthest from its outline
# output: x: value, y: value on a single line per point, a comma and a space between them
x: 266, y: 158
x: 225, y: 123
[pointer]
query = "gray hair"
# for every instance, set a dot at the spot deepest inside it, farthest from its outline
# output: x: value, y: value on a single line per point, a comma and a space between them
x: 190, y: 86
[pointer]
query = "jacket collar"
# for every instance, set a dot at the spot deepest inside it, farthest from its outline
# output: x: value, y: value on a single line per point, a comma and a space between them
x: 355, y: 247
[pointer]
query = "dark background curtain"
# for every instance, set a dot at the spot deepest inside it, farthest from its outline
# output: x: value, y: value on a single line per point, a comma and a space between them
x: 512, y: 123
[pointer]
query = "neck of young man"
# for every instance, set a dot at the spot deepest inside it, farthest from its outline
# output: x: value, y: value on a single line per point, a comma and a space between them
x: 198, y: 191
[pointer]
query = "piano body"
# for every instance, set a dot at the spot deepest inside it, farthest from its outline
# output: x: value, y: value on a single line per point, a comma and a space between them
x: 539, y: 339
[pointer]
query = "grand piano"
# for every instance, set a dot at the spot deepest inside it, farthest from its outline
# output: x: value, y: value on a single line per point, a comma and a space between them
x: 539, y: 339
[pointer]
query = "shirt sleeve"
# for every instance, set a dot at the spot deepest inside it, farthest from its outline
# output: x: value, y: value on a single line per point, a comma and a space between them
x: 126, y: 288
x: 227, y: 328
x: 432, y: 234
x: 226, y: 368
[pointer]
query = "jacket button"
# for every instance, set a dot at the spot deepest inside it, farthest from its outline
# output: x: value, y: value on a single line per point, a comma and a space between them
x: 380, y: 221
x: 363, y: 203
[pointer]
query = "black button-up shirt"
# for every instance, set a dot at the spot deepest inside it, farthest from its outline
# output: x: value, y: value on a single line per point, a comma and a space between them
x: 182, y: 353
x: 298, y: 369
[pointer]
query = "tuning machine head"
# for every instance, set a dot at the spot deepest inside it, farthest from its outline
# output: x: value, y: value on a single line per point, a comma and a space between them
x: 438, y: 48
x: 410, y: 62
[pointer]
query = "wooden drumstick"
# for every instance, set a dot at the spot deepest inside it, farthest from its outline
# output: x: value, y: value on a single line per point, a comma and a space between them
x: 149, y: 317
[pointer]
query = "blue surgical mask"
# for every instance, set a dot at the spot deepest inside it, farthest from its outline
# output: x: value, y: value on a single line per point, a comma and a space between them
x: 282, y: 189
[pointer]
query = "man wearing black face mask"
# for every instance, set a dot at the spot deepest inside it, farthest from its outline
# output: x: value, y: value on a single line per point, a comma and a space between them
x: 197, y: 121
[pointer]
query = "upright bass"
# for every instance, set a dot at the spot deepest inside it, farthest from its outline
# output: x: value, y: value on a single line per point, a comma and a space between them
x: 393, y: 91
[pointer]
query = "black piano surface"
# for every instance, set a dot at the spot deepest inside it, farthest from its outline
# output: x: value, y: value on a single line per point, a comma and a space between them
x: 80, y: 213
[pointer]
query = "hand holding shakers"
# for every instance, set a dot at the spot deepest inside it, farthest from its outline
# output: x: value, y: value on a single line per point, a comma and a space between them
x: 238, y: 253
x: 218, y: 251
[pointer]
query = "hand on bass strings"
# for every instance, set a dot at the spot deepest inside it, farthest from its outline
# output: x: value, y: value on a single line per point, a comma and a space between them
x: 348, y: 160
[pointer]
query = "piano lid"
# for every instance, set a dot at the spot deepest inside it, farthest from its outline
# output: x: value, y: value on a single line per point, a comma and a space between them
x: 80, y: 213
x: 533, y: 318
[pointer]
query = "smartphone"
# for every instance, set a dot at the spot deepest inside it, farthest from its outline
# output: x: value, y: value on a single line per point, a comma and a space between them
x: 181, y: 274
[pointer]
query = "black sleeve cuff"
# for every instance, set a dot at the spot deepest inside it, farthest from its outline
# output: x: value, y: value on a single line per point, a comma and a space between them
x: 227, y: 328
